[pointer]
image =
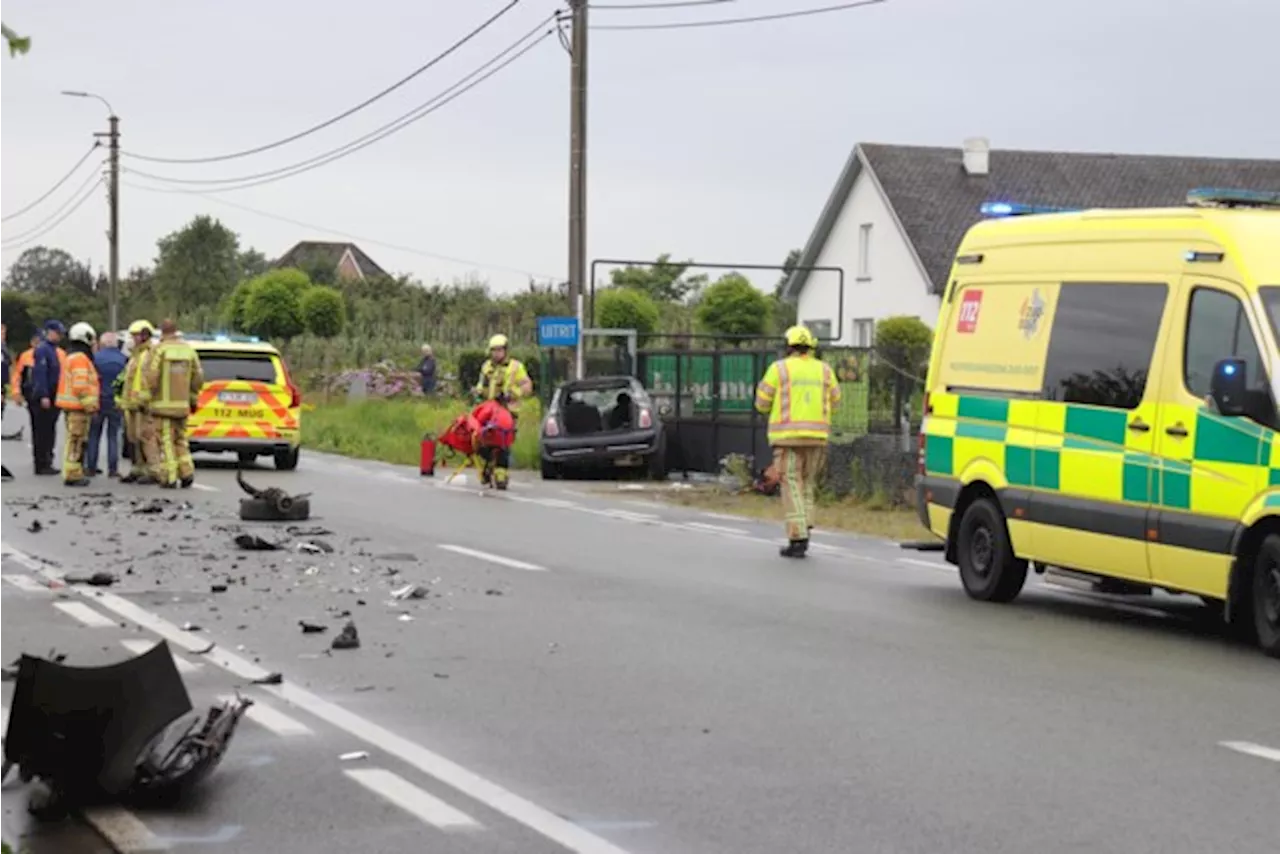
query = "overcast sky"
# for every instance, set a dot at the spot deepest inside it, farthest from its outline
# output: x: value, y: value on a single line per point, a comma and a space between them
x: 719, y: 143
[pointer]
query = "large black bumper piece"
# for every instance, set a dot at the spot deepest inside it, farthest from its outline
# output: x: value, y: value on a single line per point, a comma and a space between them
x: 942, y: 491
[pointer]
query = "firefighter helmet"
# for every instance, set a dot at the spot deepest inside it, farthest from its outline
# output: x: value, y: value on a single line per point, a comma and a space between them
x: 140, y: 326
x: 498, y: 342
x: 82, y: 332
x: 800, y: 336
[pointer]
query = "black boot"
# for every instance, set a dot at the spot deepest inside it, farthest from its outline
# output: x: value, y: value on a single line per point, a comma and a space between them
x: 794, y: 548
x: 187, y: 482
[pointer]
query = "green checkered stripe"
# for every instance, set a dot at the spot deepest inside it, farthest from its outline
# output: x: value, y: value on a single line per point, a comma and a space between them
x: 1217, y: 440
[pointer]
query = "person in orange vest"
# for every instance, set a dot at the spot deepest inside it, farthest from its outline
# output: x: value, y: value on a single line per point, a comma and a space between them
x: 78, y: 396
x: 798, y: 394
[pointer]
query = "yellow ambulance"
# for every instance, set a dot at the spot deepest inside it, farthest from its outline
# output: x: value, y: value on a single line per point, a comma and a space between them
x: 248, y: 405
x: 1102, y: 398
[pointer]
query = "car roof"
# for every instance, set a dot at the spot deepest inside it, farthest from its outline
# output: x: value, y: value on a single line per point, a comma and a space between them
x: 599, y: 383
x: 234, y: 346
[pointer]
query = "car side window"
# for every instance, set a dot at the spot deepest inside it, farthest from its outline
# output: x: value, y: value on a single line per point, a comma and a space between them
x: 1102, y: 342
x: 1218, y: 328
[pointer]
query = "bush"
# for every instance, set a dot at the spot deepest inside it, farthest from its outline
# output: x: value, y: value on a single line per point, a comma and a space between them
x: 626, y: 308
x: 323, y: 311
x: 469, y: 364
x: 733, y: 306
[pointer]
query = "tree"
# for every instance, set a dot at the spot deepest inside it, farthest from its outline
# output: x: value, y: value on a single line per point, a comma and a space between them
x: 663, y: 281
x: 323, y: 311
x: 17, y: 44
x: 626, y: 308
x: 788, y: 267
x: 197, y: 265
x: 42, y: 270
x: 271, y: 304
x: 253, y: 263
x: 733, y: 306
x: 904, y: 342
x: 15, y: 311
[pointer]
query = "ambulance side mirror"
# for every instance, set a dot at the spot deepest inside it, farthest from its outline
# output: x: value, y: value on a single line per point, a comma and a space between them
x: 1228, y: 386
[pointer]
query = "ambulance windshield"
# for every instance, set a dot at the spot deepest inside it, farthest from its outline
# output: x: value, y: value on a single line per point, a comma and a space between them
x: 1271, y: 299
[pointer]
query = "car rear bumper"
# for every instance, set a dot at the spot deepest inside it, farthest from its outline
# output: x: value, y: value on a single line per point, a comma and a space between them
x: 246, y: 445
x: 601, y: 447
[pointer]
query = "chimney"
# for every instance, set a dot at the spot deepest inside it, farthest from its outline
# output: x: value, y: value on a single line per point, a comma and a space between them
x: 977, y: 156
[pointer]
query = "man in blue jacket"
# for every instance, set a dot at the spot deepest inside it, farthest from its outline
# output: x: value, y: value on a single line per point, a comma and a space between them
x: 110, y: 362
x: 45, y: 373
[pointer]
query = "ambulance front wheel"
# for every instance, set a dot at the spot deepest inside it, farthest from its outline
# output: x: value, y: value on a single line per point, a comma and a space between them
x: 1266, y: 596
x: 989, y: 570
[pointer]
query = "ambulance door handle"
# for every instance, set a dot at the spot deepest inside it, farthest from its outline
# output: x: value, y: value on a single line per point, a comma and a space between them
x: 1176, y: 430
x: 1137, y: 425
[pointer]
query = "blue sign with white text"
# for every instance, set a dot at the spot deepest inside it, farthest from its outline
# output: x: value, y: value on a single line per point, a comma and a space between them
x: 557, y: 332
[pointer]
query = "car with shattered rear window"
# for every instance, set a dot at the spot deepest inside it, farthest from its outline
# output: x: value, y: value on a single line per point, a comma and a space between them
x: 249, y: 404
x: 602, y: 423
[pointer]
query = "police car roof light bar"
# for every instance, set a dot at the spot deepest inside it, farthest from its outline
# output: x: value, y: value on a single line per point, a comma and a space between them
x: 1002, y: 209
x: 1225, y: 197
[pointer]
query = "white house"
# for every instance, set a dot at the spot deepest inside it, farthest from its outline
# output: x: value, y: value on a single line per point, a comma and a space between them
x: 898, y: 212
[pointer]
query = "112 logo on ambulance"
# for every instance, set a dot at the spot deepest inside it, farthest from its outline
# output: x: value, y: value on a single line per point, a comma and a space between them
x: 967, y: 317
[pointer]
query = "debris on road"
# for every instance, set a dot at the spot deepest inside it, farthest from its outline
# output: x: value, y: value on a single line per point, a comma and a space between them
x: 273, y: 678
x: 398, y: 556
x: 35, y: 527
x: 412, y: 591
x: 217, y: 588
x: 272, y: 504
x: 5, y: 473
x: 314, y: 547
x: 114, y: 733
x: 155, y: 505
x: 348, y: 638
x: 493, y: 591
x: 312, y: 628
x: 190, y: 627
x: 299, y: 531
x: 254, y: 543
x: 353, y: 755
x: 97, y: 579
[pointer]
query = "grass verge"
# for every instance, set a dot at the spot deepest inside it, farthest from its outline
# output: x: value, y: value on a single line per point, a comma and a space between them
x: 391, y: 430
x: 846, y: 515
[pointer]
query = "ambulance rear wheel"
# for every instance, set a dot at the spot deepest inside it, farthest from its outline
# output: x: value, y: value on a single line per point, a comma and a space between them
x: 989, y: 570
x: 286, y: 460
x: 1266, y: 596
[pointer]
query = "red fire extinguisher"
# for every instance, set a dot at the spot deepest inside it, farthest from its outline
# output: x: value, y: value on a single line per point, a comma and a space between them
x: 427, y: 459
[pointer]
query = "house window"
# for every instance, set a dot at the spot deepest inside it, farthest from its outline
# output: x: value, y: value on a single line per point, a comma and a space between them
x: 864, y: 331
x: 864, y: 251
x: 820, y: 328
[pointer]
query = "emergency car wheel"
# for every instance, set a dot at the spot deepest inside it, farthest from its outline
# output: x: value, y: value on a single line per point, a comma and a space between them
x: 1266, y: 596
x: 989, y: 570
x: 286, y: 460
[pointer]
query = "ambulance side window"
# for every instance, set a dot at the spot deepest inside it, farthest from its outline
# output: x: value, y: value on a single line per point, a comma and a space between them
x: 1218, y: 328
x: 1102, y: 341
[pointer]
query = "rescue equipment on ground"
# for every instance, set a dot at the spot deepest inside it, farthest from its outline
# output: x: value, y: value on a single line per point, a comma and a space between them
x: 478, y: 436
x: 272, y: 504
x: 427, y: 455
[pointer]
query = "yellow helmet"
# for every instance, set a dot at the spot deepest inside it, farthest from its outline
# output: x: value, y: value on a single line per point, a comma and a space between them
x: 498, y: 341
x: 800, y: 336
x: 140, y: 326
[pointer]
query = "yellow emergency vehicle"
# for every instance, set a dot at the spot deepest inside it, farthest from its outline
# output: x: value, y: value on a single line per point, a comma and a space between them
x: 248, y: 404
x: 1102, y: 398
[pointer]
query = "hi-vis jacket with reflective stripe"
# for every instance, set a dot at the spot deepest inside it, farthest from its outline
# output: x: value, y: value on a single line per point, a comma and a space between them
x: 78, y: 385
x: 136, y: 394
x: 174, y: 378
x: 798, y: 394
x: 509, y: 378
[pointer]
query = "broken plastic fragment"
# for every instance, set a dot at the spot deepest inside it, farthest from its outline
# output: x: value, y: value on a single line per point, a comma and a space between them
x: 348, y: 638
x: 355, y: 754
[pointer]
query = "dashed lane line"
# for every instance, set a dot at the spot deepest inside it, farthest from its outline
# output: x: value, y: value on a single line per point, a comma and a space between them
x: 84, y: 614
x: 25, y: 582
x: 204, y: 487
x: 123, y: 830
x: 538, y: 819
x: 1250, y: 748
x: 274, y: 720
x: 138, y: 646
x: 718, y: 529
x: 412, y: 799
x: 492, y: 558
x: 927, y: 564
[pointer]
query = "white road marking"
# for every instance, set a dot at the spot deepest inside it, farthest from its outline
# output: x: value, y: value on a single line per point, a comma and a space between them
x: 539, y: 820
x: 84, y: 614
x: 719, y: 529
x: 410, y: 798
x: 554, y: 502
x: 138, y: 646
x: 25, y: 582
x: 273, y: 719
x: 492, y: 558
x: 204, y: 487
x: 927, y: 564
x: 123, y: 830
x: 726, y: 517
x: 631, y: 515
x: 1259, y: 750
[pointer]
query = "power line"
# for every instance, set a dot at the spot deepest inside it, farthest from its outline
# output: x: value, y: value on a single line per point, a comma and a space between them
x: 671, y: 4
x: 459, y: 88
x: 73, y: 170
x: 719, y: 22
x: 345, y: 114
x: 354, y: 238
x: 41, y: 231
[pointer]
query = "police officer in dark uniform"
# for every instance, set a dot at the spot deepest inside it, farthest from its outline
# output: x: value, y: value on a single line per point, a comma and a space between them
x: 45, y: 372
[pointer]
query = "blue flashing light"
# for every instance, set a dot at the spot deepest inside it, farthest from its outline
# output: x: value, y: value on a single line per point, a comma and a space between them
x: 1229, y: 369
x: 1233, y: 198
x: 1001, y: 209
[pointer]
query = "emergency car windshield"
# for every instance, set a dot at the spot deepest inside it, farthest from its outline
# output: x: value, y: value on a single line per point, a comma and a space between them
x: 1271, y: 299
x: 238, y: 366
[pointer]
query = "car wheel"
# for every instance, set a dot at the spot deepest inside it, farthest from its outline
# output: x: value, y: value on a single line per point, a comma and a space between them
x: 657, y: 465
x: 246, y: 457
x: 551, y: 471
x: 287, y: 460
x: 989, y: 570
x: 1266, y: 596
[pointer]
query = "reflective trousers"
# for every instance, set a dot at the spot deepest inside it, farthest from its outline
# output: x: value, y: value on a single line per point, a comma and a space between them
x: 144, y: 456
x: 799, y: 467
x: 77, y: 438
x: 175, y: 455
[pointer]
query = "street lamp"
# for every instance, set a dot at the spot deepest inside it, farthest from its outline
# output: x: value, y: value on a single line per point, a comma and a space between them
x: 113, y: 192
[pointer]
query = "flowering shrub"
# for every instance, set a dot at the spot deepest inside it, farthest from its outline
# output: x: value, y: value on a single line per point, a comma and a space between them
x: 383, y: 380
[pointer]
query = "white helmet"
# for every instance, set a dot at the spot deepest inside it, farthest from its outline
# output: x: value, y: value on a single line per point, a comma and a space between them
x: 82, y: 332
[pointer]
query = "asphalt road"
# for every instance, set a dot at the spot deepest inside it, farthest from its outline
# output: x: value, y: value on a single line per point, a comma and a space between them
x: 604, y: 675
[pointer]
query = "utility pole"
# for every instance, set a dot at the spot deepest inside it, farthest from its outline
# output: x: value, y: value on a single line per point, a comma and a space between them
x: 113, y: 201
x: 578, y: 172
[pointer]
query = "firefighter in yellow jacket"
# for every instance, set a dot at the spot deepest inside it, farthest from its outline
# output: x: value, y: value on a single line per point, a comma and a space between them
x: 173, y: 379
x: 798, y: 394
x: 78, y: 396
x: 139, y: 425
x: 502, y: 378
